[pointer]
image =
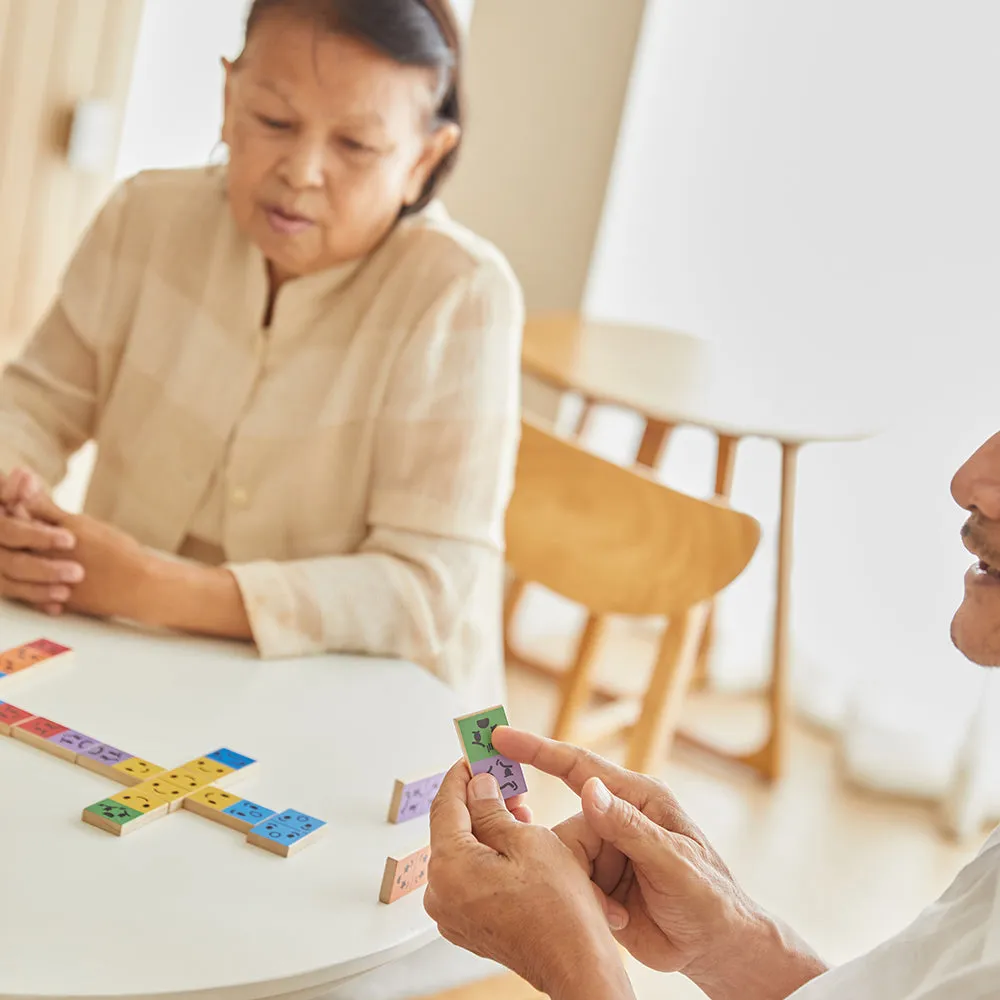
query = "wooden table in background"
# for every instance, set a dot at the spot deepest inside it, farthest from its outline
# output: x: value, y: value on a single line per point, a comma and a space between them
x: 673, y: 379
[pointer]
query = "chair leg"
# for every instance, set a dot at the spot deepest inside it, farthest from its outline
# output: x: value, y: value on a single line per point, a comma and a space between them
x: 576, y: 685
x: 664, y: 698
x: 725, y: 464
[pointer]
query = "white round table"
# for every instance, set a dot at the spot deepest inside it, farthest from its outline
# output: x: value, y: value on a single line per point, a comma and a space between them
x: 185, y: 906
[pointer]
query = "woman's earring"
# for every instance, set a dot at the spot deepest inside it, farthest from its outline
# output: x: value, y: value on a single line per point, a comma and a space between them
x: 219, y: 154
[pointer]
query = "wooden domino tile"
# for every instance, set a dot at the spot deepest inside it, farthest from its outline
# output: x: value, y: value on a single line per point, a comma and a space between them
x: 287, y: 833
x: 240, y: 766
x: 69, y: 744
x: 11, y: 715
x: 104, y: 759
x: 411, y: 799
x: 212, y: 803
x: 475, y: 733
x: 147, y: 799
x: 114, y: 817
x: 128, y: 770
x: 189, y: 781
x: 404, y: 875
x: 245, y: 815
x: 38, y: 732
x: 30, y: 654
x: 213, y: 772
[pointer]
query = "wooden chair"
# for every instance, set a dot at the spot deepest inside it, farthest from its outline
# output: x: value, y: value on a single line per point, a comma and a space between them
x: 619, y: 543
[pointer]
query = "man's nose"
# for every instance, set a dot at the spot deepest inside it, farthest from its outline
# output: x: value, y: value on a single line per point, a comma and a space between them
x: 977, y: 482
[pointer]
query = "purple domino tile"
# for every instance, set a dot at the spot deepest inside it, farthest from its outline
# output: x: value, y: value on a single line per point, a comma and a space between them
x: 75, y: 741
x: 508, y: 774
x: 106, y: 754
x: 417, y: 797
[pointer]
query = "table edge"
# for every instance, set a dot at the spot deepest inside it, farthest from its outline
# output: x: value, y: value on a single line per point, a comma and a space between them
x: 667, y: 416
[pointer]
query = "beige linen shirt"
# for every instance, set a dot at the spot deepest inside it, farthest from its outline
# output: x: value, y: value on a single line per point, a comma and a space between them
x: 351, y: 463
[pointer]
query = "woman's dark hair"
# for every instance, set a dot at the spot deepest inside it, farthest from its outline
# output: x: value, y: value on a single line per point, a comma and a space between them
x: 414, y: 33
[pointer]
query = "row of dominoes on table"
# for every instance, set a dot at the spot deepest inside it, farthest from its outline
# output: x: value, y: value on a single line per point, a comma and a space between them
x: 152, y: 791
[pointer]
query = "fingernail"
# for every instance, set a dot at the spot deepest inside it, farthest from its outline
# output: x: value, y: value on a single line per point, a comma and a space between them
x: 73, y: 574
x: 484, y: 786
x: 616, y: 921
x: 64, y: 540
x: 602, y: 797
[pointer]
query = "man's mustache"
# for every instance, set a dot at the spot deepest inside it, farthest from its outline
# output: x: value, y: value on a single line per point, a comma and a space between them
x: 976, y: 538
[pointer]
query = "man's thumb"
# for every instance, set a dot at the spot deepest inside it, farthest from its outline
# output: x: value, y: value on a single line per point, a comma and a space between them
x: 622, y: 824
x: 492, y: 822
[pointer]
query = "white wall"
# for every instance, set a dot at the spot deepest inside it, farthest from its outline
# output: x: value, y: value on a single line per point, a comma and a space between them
x: 174, y: 114
x: 822, y: 178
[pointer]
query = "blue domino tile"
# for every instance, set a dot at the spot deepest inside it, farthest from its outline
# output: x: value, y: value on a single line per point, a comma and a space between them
x: 300, y: 821
x: 249, y: 812
x: 230, y: 758
x: 273, y: 830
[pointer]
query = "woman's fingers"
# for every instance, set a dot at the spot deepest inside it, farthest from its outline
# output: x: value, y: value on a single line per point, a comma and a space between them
x: 22, y: 535
x: 26, y: 567
x: 39, y: 594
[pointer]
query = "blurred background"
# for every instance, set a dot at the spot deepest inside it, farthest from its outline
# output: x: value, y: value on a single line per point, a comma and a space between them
x: 808, y: 188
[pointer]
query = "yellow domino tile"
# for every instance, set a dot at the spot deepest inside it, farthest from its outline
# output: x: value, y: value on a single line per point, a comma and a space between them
x: 146, y: 799
x: 136, y: 770
x: 174, y: 794
x: 212, y: 798
x: 185, y: 778
x: 211, y: 769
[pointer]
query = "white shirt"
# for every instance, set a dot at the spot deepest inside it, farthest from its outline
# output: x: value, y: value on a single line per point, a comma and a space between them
x: 950, y: 952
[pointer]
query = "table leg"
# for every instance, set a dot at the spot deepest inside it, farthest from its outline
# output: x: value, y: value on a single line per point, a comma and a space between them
x: 769, y: 760
x: 725, y: 462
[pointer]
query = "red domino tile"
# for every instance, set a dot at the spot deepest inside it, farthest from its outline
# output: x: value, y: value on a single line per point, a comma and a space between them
x: 12, y: 715
x: 48, y: 647
x: 45, y: 728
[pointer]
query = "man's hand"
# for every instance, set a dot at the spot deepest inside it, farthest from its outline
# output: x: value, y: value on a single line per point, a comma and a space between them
x: 686, y: 912
x: 37, y: 564
x: 514, y: 893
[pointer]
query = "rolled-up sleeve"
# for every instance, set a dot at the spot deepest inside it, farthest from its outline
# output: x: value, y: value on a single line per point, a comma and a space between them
x: 445, y: 451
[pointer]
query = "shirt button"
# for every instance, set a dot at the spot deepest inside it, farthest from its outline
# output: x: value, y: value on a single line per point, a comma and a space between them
x: 240, y: 497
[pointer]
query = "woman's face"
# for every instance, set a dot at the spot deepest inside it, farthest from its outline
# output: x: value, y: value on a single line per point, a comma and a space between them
x: 328, y: 140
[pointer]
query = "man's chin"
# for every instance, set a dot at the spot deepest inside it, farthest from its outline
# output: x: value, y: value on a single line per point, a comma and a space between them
x: 970, y: 641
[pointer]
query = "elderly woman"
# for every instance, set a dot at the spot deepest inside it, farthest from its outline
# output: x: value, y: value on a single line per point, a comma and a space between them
x: 301, y: 375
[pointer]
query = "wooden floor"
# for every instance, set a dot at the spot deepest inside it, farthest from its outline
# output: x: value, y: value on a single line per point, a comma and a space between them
x: 845, y: 868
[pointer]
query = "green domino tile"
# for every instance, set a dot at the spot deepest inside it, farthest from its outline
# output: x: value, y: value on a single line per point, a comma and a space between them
x: 476, y: 732
x: 114, y: 812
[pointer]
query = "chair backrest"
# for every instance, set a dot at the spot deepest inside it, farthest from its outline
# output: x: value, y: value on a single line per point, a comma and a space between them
x: 614, y: 539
